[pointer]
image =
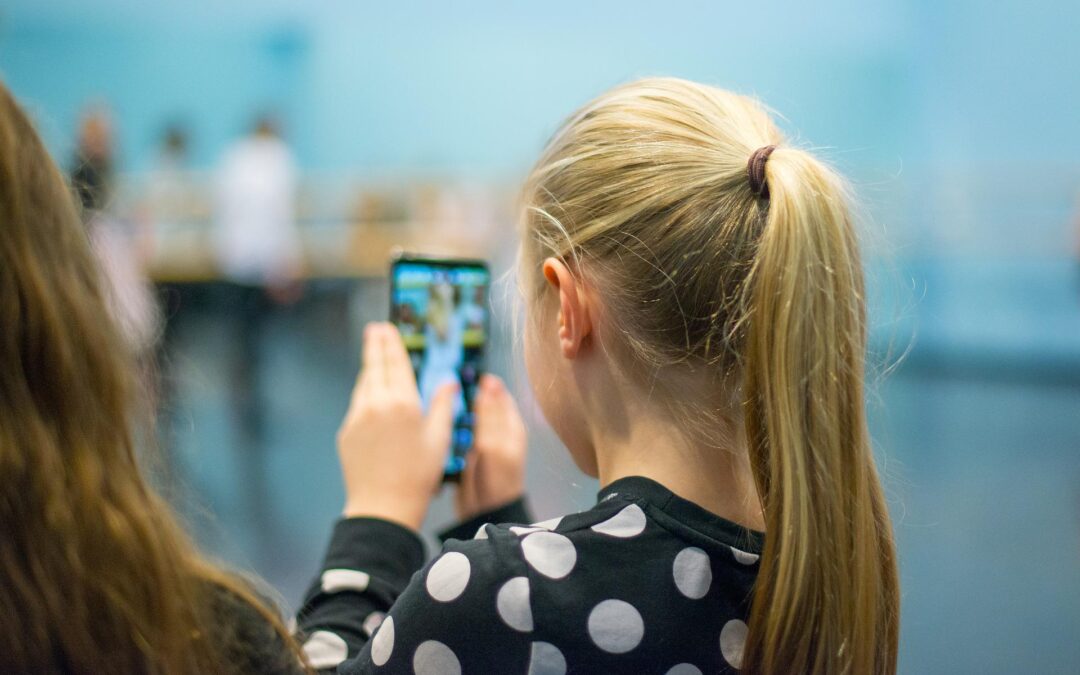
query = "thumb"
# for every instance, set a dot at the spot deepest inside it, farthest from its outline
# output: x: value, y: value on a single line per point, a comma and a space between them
x: 440, y: 418
x: 482, y: 407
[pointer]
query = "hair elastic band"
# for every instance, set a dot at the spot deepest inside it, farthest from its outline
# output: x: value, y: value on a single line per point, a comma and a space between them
x: 755, y: 169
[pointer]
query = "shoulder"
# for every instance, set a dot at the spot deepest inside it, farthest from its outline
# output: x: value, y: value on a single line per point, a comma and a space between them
x: 614, y: 587
x: 551, y: 548
x: 517, y: 568
x: 244, y: 636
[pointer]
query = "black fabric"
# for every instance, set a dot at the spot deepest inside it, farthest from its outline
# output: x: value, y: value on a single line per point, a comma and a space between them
x: 90, y: 177
x: 644, y: 582
x: 513, y: 512
x: 248, y: 643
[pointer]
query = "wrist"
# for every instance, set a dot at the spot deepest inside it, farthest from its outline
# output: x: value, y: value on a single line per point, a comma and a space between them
x: 515, y: 511
x: 408, y: 516
x: 493, y: 504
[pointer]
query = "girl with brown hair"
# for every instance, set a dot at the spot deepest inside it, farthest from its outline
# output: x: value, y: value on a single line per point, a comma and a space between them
x: 96, y: 577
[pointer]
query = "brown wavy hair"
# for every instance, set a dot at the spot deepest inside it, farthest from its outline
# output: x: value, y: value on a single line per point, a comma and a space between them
x: 96, y: 576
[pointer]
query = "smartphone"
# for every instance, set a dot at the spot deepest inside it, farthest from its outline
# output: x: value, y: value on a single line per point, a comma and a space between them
x: 440, y: 306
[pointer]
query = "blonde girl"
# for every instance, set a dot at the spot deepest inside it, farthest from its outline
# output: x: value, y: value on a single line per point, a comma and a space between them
x: 696, y: 335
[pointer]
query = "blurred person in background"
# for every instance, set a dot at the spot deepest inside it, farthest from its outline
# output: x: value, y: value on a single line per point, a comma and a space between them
x: 171, y: 200
x: 119, y: 243
x: 258, y: 250
x: 96, y: 576
x: 92, y: 166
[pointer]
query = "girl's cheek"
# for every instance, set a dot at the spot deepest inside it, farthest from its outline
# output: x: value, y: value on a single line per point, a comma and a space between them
x: 532, y: 359
x: 538, y: 365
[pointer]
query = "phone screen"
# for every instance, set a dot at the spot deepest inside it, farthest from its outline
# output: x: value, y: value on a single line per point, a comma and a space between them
x: 441, y: 309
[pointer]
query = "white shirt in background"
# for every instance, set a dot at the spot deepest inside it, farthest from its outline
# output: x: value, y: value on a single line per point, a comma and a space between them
x: 256, y: 239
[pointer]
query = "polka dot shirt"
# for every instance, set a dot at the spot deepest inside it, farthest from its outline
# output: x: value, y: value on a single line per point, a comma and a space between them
x: 644, y: 582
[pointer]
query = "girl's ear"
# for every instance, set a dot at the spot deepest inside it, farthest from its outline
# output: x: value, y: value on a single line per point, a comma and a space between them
x: 575, y: 324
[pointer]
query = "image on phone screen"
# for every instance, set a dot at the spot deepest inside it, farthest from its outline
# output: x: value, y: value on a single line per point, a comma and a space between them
x: 441, y: 309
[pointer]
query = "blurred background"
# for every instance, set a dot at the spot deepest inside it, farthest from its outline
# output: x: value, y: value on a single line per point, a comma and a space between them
x: 410, y: 123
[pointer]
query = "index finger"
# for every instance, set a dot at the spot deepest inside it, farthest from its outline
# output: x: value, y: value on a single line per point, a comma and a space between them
x: 398, y: 368
x: 373, y: 367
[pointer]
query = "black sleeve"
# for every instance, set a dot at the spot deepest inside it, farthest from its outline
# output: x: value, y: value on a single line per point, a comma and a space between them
x: 513, y: 512
x: 368, y: 564
x: 467, y: 611
x: 364, y: 614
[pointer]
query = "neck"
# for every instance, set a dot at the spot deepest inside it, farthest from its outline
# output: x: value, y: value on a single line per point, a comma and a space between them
x: 717, y: 479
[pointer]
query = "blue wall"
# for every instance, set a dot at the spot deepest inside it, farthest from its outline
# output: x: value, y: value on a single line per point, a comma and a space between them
x: 477, y: 86
x: 213, y: 80
x: 472, y: 88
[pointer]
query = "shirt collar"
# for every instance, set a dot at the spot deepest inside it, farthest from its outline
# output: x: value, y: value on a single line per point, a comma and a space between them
x: 684, y: 511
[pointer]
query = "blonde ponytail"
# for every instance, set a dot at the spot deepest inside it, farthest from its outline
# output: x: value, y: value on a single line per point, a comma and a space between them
x: 826, y: 596
x: 718, y: 292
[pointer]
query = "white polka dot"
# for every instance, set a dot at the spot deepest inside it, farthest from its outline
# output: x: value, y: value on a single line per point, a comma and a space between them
x: 546, y: 659
x: 521, y: 530
x: 382, y: 645
x: 615, y: 626
x: 629, y: 522
x: 334, y: 581
x: 550, y: 554
x: 744, y: 557
x: 549, y: 524
x: 325, y: 649
x: 692, y: 572
x: 512, y: 601
x: 684, y: 669
x: 482, y: 532
x: 448, y: 577
x: 372, y: 622
x: 732, y: 639
x: 435, y: 658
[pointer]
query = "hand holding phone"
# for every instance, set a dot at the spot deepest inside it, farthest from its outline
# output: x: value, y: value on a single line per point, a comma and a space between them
x: 391, y: 453
x: 495, y: 473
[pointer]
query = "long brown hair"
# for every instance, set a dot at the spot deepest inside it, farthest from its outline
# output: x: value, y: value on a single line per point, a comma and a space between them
x: 95, y: 574
x: 759, y: 302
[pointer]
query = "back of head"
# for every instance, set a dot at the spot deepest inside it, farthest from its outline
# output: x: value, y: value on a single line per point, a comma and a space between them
x: 742, y: 305
x: 266, y: 127
x: 95, y: 576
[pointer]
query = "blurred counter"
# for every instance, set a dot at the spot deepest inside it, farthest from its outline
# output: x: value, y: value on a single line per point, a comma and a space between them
x: 348, y: 225
x: 330, y: 251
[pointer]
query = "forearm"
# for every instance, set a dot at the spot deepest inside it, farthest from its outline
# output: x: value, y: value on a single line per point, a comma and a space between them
x: 368, y: 563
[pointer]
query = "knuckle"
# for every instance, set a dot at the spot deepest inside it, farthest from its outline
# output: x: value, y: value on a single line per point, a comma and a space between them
x: 402, y: 407
x: 343, y: 436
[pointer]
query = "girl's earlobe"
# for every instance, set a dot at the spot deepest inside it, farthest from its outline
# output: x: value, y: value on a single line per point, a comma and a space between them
x: 566, y: 342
